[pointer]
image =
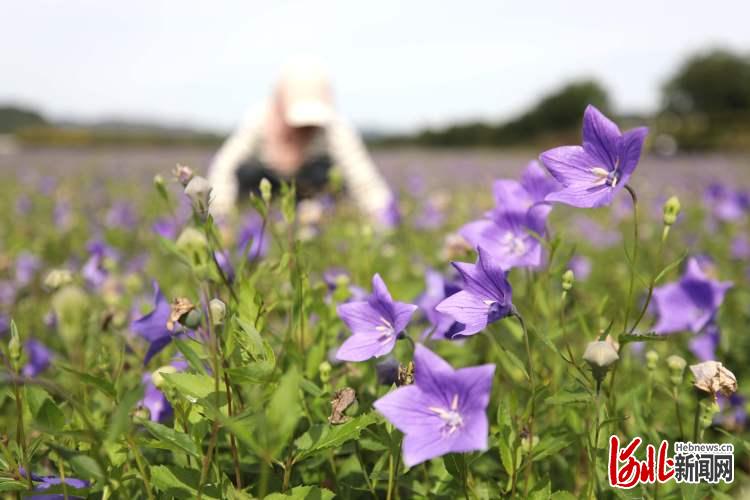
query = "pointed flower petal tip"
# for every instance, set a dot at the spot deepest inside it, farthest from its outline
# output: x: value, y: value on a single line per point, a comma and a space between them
x: 375, y: 323
x: 443, y: 412
x: 593, y: 173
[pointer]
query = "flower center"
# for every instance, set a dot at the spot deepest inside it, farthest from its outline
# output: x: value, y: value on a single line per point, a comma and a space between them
x: 606, y: 177
x: 386, y: 330
x: 451, y: 417
x: 513, y: 244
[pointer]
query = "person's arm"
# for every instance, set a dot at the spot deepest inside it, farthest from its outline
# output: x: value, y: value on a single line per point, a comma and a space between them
x: 222, y: 174
x: 363, y: 180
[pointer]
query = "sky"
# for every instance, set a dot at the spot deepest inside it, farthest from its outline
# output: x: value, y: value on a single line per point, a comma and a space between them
x: 396, y: 65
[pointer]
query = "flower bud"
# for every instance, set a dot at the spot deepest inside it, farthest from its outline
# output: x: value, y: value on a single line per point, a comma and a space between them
x: 567, y: 280
x: 183, y: 174
x: 193, y: 245
x: 325, y: 371
x: 192, y: 319
x: 161, y: 188
x: 713, y: 378
x: 199, y: 192
x: 57, y: 278
x: 265, y: 190
x: 71, y: 306
x: 218, y: 311
x: 387, y: 371
x: 14, y: 345
x: 677, y: 366
x: 671, y: 210
x: 652, y: 358
x: 600, y: 355
x: 157, y: 376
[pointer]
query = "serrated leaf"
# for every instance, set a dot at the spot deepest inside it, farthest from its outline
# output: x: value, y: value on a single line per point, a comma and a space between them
x: 101, y: 383
x: 303, y: 493
x: 180, y: 482
x: 121, y: 417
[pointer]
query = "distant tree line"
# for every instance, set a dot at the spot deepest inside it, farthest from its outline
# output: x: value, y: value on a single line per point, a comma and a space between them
x: 706, y: 104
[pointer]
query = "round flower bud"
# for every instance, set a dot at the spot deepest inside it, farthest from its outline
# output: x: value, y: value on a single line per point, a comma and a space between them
x: 671, y: 210
x: 57, y: 278
x: 265, y: 190
x: 71, y: 306
x: 387, y: 371
x: 325, y: 371
x: 14, y: 345
x: 199, y: 192
x: 652, y: 357
x: 193, y: 245
x: 567, y: 280
x: 600, y: 355
x: 677, y: 366
x: 157, y: 376
x: 192, y: 319
x: 218, y: 311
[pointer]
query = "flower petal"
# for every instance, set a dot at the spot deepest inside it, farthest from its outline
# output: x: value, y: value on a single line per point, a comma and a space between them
x: 468, y: 309
x: 630, y: 149
x: 360, y: 317
x: 363, y: 346
x: 601, y: 137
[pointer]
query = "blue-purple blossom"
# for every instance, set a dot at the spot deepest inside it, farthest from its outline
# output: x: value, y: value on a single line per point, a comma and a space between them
x: 43, y: 483
x: 437, y: 288
x: 444, y: 411
x: 691, y: 302
x: 166, y: 227
x: 704, y: 345
x: 740, y: 247
x: 252, y: 241
x: 485, y: 298
x: 153, y: 326
x: 154, y: 400
x: 27, y: 265
x: 581, y: 267
x: 375, y: 323
x: 122, y: 215
x: 592, y: 174
x: 725, y: 203
x: 95, y: 271
x: 38, y: 356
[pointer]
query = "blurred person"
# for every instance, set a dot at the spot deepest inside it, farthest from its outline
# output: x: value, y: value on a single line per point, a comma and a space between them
x: 298, y: 135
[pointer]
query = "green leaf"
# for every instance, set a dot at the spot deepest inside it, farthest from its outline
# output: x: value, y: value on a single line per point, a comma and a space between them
x: 324, y: 436
x: 101, y: 383
x: 190, y: 355
x: 190, y: 384
x: 284, y: 410
x: 121, y: 417
x: 172, y: 437
x: 567, y: 398
x: 303, y: 493
x: 12, y: 485
x: 86, y: 467
x: 180, y: 482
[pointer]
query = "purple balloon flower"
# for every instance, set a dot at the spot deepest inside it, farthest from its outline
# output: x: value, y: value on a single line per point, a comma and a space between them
x: 252, y: 241
x: 593, y: 173
x: 166, y: 227
x: 704, y: 346
x: 27, y: 265
x: 437, y: 289
x: 444, y: 411
x: 122, y: 215
x: 153, y: 326
x: 485, y: 298
x: 690, y: 303
x: 46, y: 482
x: 39, y: 358
x: 154, y: 401
x: 375, y: 323
x: 725, y: 203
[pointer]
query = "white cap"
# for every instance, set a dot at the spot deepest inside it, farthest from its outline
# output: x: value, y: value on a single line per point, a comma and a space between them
x: 306, y: 95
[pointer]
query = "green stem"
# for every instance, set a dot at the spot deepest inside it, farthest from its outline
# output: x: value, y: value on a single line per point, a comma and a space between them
x: 532, y: 385
x: 678, y: 412
x: 141, y: 467
x: 634, y: 260
x: 651, y: 286
x: 595, y: 448
x: 696, y: 420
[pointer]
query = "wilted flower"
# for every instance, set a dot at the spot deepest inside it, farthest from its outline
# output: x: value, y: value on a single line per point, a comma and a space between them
x: 593, y: 173
x: 199, y: 192
x: 485, y: 298
x: 218, y: 311
x: 455, y: 246
x: 712, y: 377
x: 600, y: 355
x: 375, y: 323
x: 153, y: 326
x: 690, y: 303
x: 444, y: 411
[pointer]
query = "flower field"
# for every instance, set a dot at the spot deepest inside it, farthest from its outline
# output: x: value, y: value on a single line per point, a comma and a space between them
x: 514, y: 312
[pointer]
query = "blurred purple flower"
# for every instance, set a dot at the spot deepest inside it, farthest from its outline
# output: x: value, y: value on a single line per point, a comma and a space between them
x: 485, y: 298
x: 444, y: 411
x: 4, y: 324
x: 740, y: 247
x: 390, y: 216
x: 431, y: 217
x: 39, y: 358
x: 47, y: 185
x: 704, y: 345
x: 690, y: 303
x: 594, y: 233
x: 733, y: 412
x: 47, y: 482
x: 153, y: 326
x: 375, y: 323
x: 24, y: 205
x: 27, y: 265
x: 581, y: 267
x: 252, y: 242
x: 225, y: 263
x: 437, y: 289
x: 122, y: 215
x: 725, y: 203
x: 94, y: 271
x: 154, y: 401
x: 8, y: 293
x: 63, y: 215
x: 166, y: 227
x: 592, y: 174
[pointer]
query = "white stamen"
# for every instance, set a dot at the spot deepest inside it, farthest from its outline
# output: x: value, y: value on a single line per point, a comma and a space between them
x: 452, y: 418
